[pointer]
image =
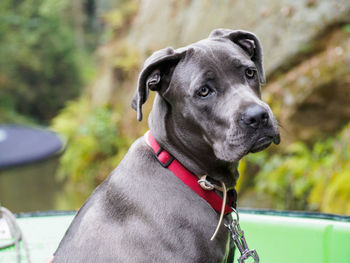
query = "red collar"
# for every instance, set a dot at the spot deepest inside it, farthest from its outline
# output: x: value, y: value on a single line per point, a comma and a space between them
x: 188, y: 178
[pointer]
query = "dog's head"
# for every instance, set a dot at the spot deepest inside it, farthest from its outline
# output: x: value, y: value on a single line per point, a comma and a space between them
x: 212, y: 87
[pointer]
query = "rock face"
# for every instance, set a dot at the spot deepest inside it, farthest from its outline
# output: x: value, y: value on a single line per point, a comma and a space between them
x: 306, y: 48
x: 285, y: 28
x: 312, y: 99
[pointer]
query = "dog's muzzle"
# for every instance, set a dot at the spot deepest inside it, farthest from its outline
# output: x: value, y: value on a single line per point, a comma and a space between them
x: 257, y: 120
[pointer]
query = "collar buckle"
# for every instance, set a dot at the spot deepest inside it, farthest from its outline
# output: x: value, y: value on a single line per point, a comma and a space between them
x: 164, y: 158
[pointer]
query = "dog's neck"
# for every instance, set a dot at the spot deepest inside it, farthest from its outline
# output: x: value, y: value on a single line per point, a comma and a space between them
x: 187, y: 147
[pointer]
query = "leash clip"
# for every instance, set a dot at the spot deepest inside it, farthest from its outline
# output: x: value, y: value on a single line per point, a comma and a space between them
x: 237, y: 235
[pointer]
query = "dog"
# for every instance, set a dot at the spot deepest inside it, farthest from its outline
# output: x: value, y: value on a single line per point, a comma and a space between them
x: 207, y: 115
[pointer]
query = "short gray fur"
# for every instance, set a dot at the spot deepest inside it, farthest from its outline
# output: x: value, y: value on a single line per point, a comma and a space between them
x: 142, y: 212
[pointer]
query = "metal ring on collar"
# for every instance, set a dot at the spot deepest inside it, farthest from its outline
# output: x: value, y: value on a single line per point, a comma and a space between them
x: 205, y: 184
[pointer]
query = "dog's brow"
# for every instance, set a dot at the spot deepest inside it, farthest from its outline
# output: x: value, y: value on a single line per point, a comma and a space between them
x: 237, y: 63
x: 210, y: 75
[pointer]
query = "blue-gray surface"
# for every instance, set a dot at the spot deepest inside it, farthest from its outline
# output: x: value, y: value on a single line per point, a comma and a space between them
x: 22, y: 145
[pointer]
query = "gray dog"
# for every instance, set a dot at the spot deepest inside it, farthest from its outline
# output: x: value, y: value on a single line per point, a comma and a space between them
x: 207, y: 114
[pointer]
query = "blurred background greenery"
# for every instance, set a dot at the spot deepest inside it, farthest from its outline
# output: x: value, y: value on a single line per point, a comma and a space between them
x: 73, y: 65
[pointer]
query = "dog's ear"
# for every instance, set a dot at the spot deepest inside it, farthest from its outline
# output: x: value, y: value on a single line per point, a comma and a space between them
x: 249, y: 43
x: 155, y: 75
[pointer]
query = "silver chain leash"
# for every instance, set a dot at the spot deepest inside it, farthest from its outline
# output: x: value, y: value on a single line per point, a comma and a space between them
x: 237, y: 235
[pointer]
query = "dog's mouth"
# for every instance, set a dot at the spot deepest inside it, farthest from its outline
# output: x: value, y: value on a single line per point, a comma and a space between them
x: 264, y: 142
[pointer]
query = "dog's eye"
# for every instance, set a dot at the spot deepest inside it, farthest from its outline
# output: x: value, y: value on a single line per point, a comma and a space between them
x: 250, y: 73
x: 204, y: 91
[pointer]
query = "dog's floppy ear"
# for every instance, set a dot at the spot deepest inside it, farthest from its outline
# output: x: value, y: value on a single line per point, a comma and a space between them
x: 249, y: 43
x: 155, y: 74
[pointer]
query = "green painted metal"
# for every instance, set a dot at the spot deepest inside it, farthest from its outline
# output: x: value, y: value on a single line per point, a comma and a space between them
x: 278, y: 237
x: 42, y: 233
x: 295, y: 239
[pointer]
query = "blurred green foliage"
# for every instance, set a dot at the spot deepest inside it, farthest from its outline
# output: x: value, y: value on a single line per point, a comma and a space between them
x: 40, y: 63
x: 307, y: 178
x: 126, y: 61
x: 95, y: 143
x: 118, y: 17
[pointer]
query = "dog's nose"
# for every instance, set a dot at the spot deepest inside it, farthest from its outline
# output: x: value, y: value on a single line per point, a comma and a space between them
x: 255, y: 116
